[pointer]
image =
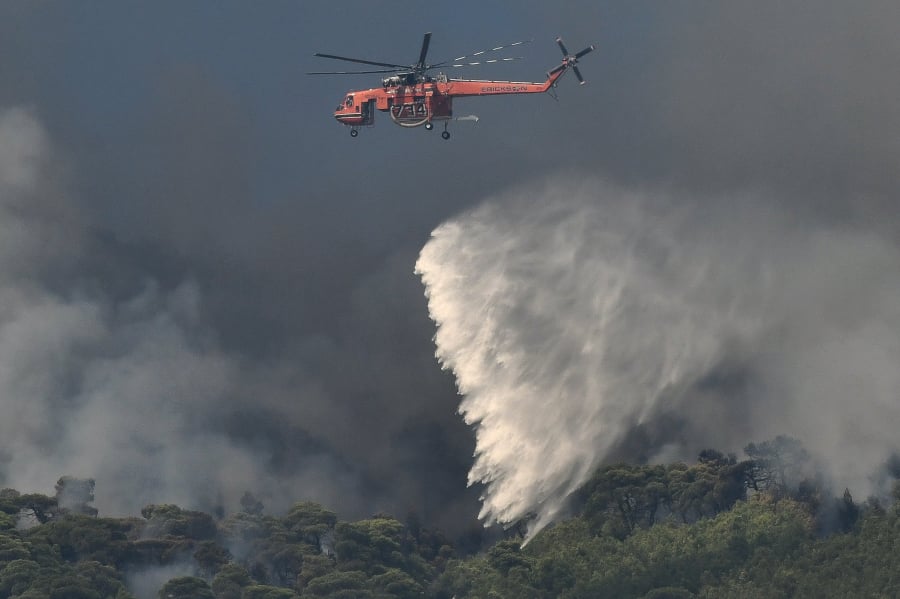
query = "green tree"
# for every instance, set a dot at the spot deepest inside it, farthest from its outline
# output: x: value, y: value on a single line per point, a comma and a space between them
x: 230, y: 581
x: 210, y: 557
x: 73, y: 588
x: 847, y: 512
x: 310, y: 523
x: 80, y: 537
x: 168, y: 519
x: 369, y: 544
x: 39, y: 507
x: 506, y: 555
x: 314, y: 566
x: 104, y: 579
x: 553, y: 575
x: 621, y: 498
x: 283, y: 562
x: 16, y: 576
x: 396, y: 583
x: 261, y: 591
x: 669, y: 593
x: 778, y: 465
x: 331, y: 584
x: 160, y: 551
x: 707, y: 488
x: 9, y: 502
x: 12, y: 548
x: 186, y: 587
x: 244, y: 528
x: 7, y: 521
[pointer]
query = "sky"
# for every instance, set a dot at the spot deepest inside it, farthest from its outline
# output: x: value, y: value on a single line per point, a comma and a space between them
x: 210, y: 287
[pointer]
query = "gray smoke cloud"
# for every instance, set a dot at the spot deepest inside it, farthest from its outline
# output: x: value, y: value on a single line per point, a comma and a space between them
x: 111, y: 372
x: 577, y: 314
x: 92, y: 385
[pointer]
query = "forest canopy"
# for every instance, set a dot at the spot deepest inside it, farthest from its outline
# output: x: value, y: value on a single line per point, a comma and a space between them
x: 764, y: 526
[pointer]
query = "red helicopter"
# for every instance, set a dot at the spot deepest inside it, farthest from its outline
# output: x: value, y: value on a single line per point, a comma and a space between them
x: 414, y: 98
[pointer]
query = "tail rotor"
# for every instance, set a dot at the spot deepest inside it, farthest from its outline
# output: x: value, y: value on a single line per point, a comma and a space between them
x: 570, y: 60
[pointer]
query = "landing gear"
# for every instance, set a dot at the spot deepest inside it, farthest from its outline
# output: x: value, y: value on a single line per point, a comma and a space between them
x: 429, y: 126
x: 445, y: 134
x: 354, y: 132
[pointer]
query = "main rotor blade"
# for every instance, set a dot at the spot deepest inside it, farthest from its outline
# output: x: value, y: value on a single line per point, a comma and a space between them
x: 372, y: 62
x: 459, y: 59
x: 585, y: 51
x: 562, y: 46
x: 356, y: 72
x: 578, y: 74
x: 425, y: 43
x: 472, y: 64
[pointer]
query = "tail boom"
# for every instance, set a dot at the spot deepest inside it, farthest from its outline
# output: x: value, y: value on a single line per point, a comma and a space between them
x: 474, y: 87
x: 469, y: 87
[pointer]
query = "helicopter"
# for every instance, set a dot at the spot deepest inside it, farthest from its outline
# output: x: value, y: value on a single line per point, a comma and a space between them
x: 415, y: 98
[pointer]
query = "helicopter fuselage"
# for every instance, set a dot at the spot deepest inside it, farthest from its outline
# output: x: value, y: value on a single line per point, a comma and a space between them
x: 421, y: 103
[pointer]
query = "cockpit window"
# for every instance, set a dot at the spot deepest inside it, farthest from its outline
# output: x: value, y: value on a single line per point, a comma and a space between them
x: 349, y: 101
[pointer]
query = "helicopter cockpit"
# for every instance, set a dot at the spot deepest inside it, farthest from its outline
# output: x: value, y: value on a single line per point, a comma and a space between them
x: 348, y: 102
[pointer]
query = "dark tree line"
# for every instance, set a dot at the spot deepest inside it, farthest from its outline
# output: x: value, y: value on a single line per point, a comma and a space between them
x: 721, y: 527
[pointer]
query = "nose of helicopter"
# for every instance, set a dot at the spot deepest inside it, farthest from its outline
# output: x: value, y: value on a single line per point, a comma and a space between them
x: 345, y: 115
x: 339, y: 110
x: 348, y: 112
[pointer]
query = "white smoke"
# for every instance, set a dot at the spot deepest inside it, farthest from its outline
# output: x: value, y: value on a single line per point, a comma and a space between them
x: 574, y: 314
x: 131, y: 389
x: 90, y: 386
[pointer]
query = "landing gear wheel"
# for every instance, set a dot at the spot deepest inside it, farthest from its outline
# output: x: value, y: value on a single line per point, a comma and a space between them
x: 445, y: 134
x: 429, y: 126
x: 353, y: 132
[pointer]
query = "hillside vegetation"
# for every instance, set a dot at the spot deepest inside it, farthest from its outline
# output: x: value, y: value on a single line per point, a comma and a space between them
x: 719, y: 528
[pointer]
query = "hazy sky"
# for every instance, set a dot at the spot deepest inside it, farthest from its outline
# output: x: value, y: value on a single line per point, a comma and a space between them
x: 224, y: 278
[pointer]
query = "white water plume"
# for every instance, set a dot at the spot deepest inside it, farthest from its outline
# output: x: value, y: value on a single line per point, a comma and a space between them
x: 575, y: 314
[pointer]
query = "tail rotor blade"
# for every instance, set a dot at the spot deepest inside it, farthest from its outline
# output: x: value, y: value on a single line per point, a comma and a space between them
x: 569, y: 61
x: 578, y: 75
x: 583, y: 52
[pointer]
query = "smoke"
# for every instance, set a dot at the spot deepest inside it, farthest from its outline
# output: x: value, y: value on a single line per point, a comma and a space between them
x: 586, y: 322
x: 91, y: 385
x: 146, y: 583
x: 112, y: 371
